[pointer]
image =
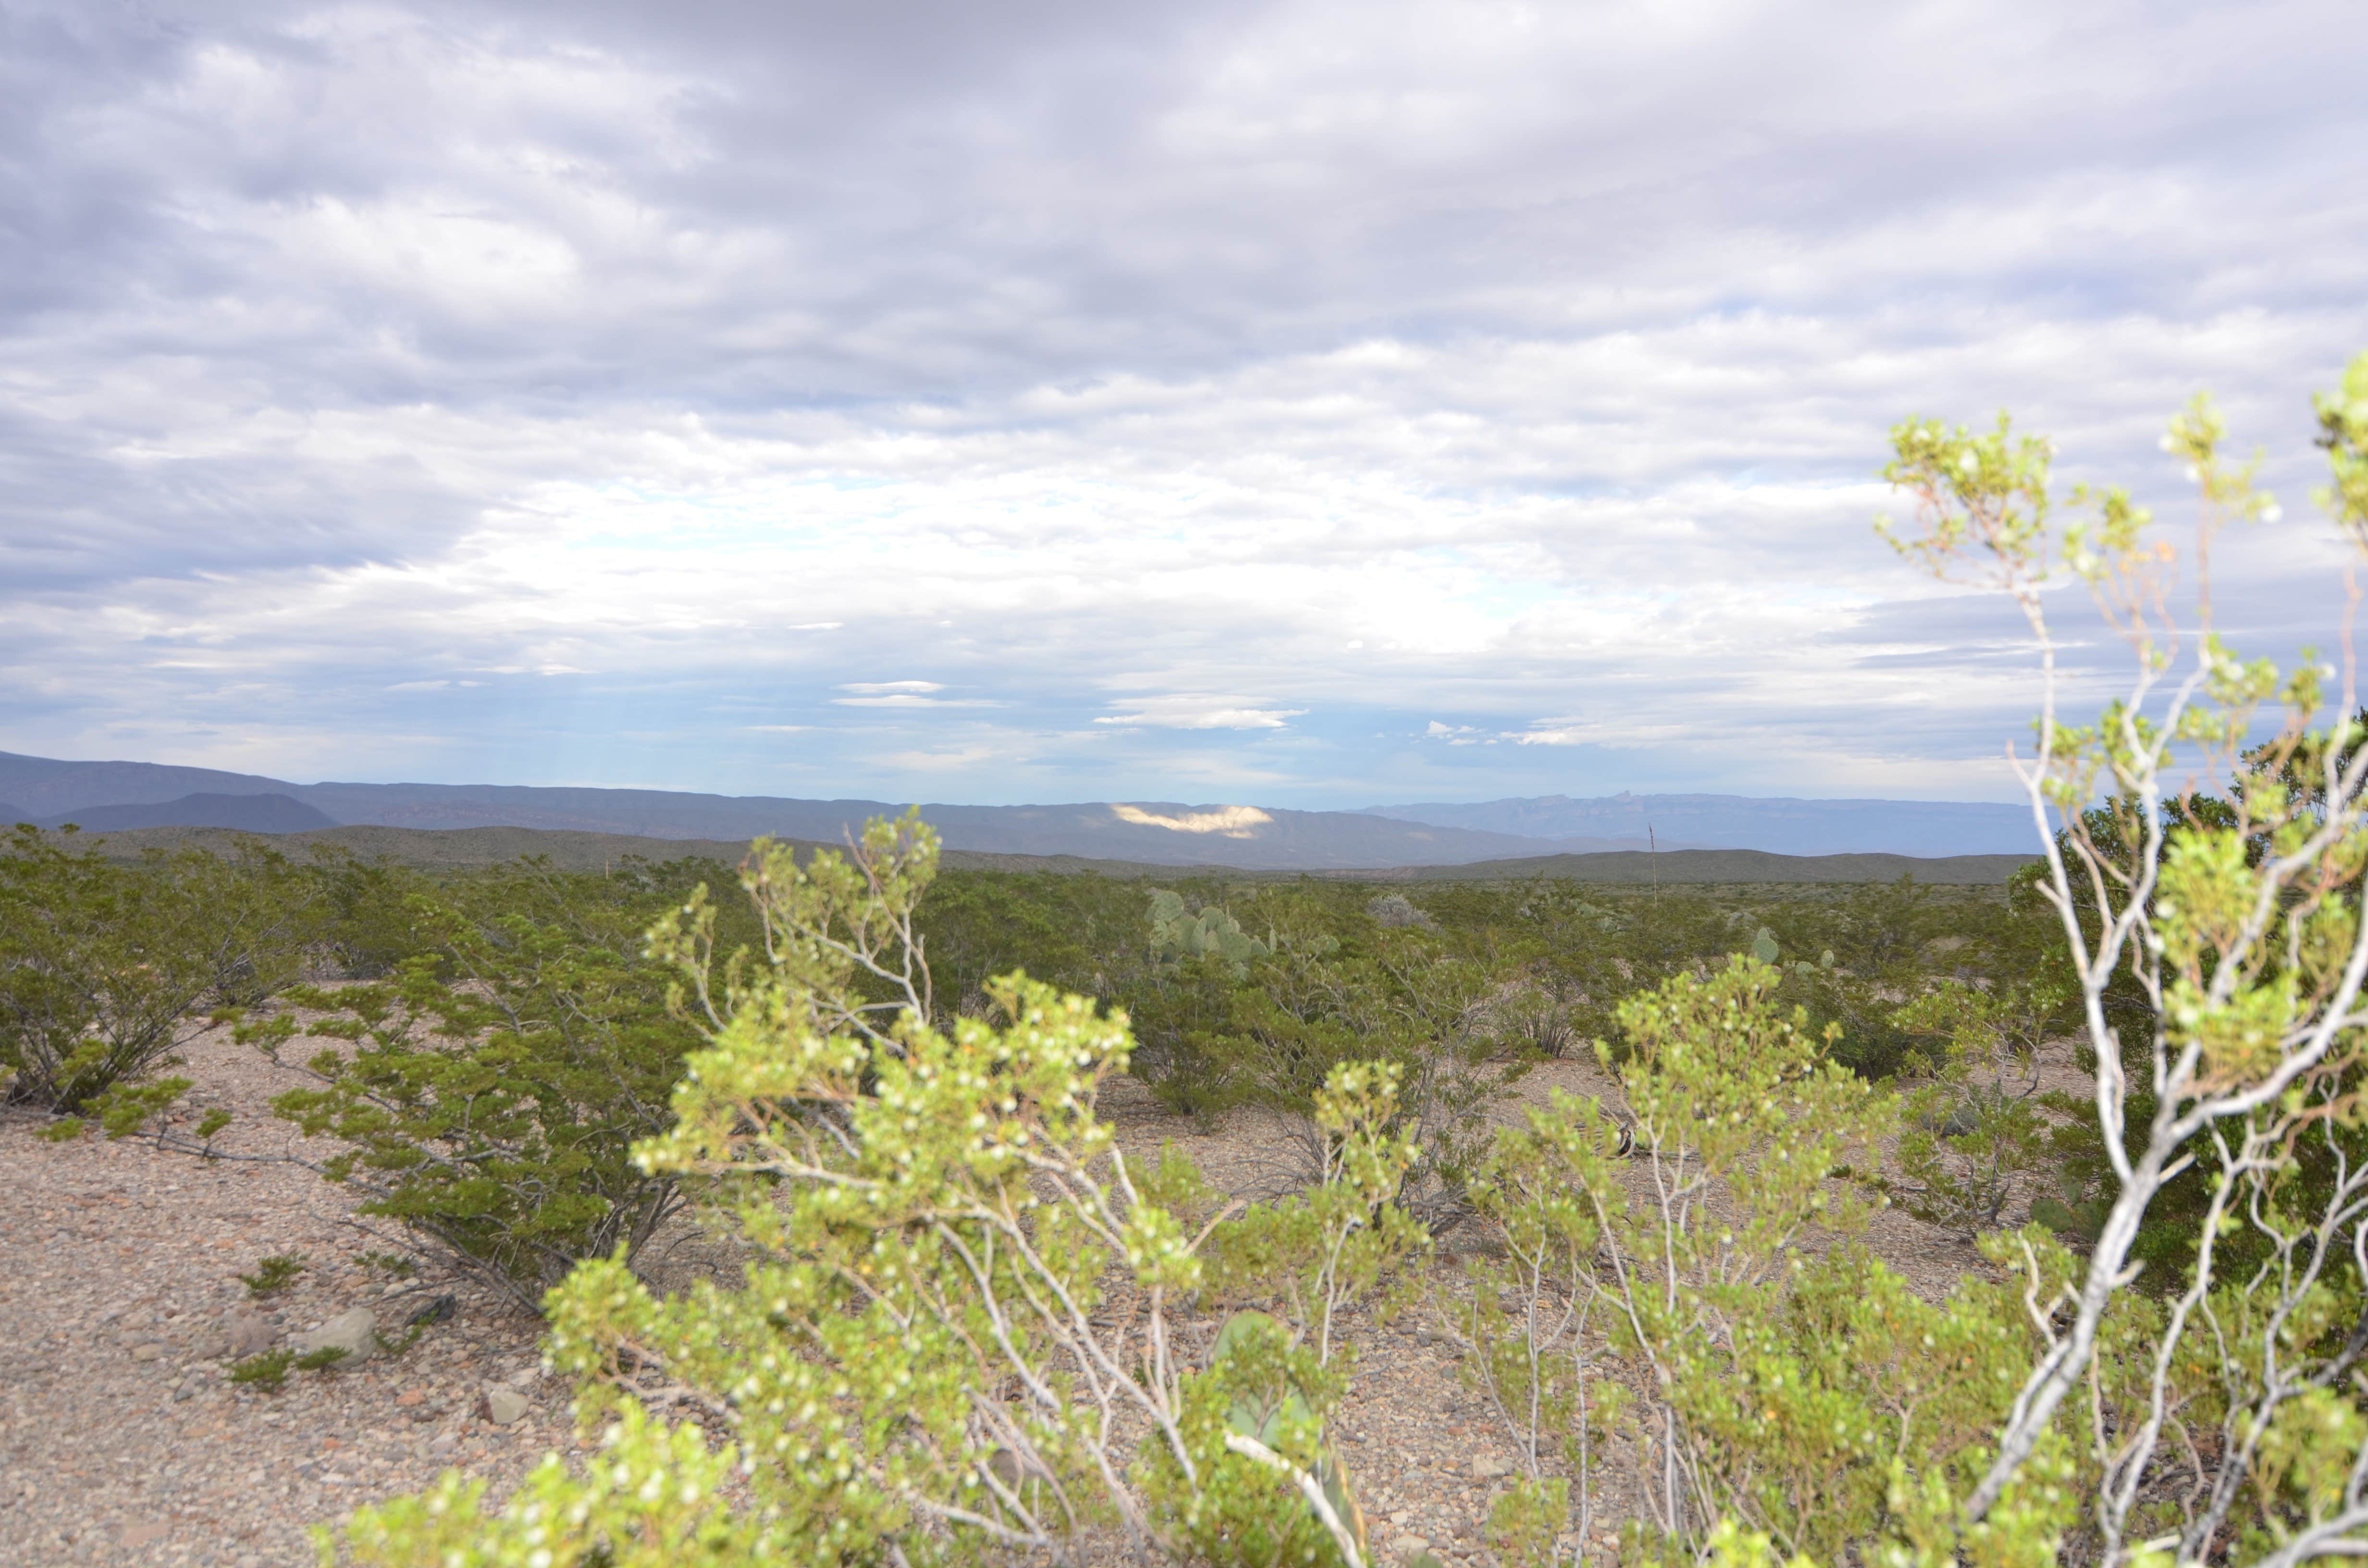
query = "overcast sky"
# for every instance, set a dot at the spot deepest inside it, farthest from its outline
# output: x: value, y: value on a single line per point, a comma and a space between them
x: 1301, y: 403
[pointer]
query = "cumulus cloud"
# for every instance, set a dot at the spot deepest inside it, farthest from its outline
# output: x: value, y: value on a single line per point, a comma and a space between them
x: 1201, y: 713
x: 603, y: 393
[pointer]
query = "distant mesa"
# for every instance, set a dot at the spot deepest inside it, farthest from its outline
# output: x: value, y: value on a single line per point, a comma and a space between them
x: 244, y: 813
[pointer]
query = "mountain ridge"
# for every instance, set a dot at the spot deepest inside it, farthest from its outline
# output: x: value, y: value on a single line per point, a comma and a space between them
x: 266, y: 813
x: 1243, y: 837
x: 455, y: 848
x: 1778, y: 824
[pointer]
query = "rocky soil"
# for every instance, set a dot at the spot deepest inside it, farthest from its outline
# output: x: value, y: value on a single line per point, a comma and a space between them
x: 124, y: 1441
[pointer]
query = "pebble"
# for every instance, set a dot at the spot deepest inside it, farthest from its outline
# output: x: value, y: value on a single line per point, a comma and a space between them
x: 354, y: 1332
x: 244, y: 1332
x: 506, y: 1405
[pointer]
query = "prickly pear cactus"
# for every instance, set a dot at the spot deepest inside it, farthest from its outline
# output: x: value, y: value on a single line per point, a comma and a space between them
x: 1249, y: 1363
x: 1763, y: 946
x: 1177, y: 935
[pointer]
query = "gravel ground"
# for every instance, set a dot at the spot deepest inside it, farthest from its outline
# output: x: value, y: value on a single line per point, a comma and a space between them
x: 122, y: 1441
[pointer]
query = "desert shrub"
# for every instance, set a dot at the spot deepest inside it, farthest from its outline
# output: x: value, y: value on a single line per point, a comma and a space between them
x: 262, y: 918
x: 267, y: 1370
x: 1394, y: 910
x: 1078, y: 931
x: 963, y: 1294
x: 1420, y: 1000
x: 1764, y: 1379
x: 107, y: 969
x: 367, y: 912
x: 2217, y: 952
x: 1975, y: 1132
x: 2211, y: 955
x: 497, y: 1084
x: 273, y: 1274
x: 1186, y: 1014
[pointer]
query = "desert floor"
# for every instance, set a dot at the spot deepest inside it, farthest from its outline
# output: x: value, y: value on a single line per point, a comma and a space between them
x: 121, y: 1440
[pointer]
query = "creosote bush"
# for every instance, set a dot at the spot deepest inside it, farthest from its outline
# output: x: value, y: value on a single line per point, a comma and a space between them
x: 107, y: 969
x: 960, y: 1332
x: 494, y: 1086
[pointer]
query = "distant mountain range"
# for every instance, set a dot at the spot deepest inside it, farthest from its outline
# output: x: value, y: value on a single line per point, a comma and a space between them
x: 124, y: 796
x: 248, y: 814
x: 1738, y: 822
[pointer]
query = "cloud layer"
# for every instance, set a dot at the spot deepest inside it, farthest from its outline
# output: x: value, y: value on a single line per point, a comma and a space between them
x: 1304, y: 402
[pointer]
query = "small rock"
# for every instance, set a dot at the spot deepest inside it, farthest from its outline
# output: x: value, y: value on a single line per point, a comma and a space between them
x: 410, y: 1397
x: 505, y: 1405
x: 434, y: 1312
x: 355, y: 1333
x: 1408, y: 1545
x: 1487, y: 1467
x: 245, y: 1333
x: 149, y: 1351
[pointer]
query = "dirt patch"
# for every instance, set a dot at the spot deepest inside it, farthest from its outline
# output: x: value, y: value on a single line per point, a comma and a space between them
x: 123, y: 1442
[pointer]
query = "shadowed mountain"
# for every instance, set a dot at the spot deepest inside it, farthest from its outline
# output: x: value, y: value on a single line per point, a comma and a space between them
x: 243, y: 813
x: 1740, y: 822
x: 1248, y: 838
x: 1161, y: 833
x: 1158, y: 832
x: 459, y: 849
x: 10, y: 815
x: 49, y: 788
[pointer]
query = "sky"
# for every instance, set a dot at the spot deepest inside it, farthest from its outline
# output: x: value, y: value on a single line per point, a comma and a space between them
x: 1308, y: 403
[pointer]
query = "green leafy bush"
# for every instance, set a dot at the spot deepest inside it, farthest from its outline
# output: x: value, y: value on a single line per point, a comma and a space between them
x: 273, y: 1274
x: 1768, y: 1376
x: 1974, y: 1133
x: 107, y: 969
x: 964, y: 1307
x: 267, y: 1372
x: 497, y: 1084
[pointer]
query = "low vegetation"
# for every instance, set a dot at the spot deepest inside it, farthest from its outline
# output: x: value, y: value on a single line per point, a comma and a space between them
x: 970, y: 1328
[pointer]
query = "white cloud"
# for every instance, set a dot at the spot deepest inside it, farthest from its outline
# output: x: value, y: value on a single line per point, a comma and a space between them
x: 1198, y: 394
x: 1201, y: 713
